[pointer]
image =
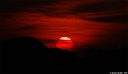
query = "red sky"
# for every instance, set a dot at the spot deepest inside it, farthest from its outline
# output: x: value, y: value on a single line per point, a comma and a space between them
x: 86, y: 22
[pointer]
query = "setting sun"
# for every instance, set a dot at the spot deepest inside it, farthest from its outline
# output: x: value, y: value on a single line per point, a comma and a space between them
x: 65, y: 38
x: 64, y: 43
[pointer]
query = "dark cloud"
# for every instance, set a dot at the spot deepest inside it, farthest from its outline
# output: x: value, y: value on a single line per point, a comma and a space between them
x: 100, y: 6
x: 48, y: 40
x: 19, y: 5
x: 111, y: 11
x: 28, y: 27
x: 120, y: 18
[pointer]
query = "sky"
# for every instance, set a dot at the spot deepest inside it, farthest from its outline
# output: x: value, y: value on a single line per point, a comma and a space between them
x: 101, y: 23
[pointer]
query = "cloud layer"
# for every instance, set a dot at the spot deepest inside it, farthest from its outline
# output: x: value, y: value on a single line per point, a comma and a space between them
x: 86, y: 22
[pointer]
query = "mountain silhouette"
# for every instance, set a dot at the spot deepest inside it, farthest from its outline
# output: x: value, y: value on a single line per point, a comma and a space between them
x: 29, y: 55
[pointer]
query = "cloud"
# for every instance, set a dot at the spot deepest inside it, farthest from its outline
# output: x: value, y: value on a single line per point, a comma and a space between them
x: 119, y: 18
x: 27, y: 27
x: 9, y: 6
x: 100, y: 6
x: 86, y: 22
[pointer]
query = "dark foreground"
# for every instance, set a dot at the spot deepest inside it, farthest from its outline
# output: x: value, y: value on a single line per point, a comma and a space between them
x: 28, y: 55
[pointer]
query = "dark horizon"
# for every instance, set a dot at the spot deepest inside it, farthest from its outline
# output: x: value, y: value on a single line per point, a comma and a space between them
x: 28, y: 55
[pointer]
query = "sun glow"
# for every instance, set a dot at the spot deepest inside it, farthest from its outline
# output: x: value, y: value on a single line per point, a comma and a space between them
x: 64, y: 43
x: 65, y: 38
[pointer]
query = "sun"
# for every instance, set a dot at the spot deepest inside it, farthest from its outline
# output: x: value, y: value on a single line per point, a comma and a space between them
x: 65, y: 38
x: 64, y: 43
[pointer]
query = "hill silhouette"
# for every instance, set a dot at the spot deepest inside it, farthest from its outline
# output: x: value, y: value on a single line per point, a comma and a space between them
x: 28, y: 55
